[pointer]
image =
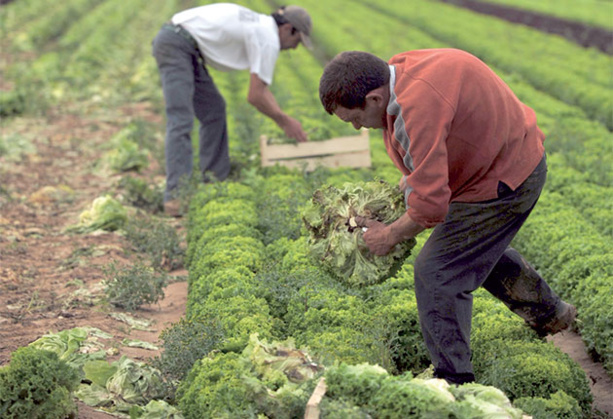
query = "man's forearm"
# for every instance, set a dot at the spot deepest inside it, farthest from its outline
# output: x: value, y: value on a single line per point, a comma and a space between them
x: 266, y: 103
x: 404, y: 228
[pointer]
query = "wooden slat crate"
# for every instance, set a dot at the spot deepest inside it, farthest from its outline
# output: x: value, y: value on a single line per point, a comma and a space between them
x: 312, y: 407
x: 351, y: 151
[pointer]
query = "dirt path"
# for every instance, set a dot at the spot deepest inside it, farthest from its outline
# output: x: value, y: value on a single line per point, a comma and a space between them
x: 600, y: 383
x: 51, y: 280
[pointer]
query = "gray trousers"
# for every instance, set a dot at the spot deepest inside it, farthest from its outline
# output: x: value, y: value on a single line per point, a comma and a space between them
x: 189, y: 91
x: 468, y: 250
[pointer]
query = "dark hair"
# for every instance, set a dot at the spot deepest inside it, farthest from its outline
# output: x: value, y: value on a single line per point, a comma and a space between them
x: 279, y: 18
x: 349, y: 77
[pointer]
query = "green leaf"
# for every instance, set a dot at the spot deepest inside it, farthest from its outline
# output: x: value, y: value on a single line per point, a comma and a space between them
x: 99, y: 371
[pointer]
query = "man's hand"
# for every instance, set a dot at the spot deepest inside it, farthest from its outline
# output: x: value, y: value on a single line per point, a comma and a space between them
x: 381, y: 238
x: 263, y: 100
x: 376, y: 236
x: 293, y: 129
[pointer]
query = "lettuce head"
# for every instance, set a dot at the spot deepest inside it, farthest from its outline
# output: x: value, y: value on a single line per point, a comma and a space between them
x: 336, y: 243
x: 105, y: 213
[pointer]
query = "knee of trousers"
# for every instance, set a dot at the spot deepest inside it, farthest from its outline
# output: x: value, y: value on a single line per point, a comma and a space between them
x: 180, y: 123
x: 424, y: 268
x: 431, y: 278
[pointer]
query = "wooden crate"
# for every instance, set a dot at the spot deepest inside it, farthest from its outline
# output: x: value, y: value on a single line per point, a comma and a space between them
x: 312, y: 407
x: 352, y: 151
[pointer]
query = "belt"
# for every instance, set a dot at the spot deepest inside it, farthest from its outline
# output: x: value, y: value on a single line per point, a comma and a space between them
x: 181, y: 31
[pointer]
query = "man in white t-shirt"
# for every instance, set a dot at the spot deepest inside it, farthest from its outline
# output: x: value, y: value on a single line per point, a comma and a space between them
x: 226, y: 37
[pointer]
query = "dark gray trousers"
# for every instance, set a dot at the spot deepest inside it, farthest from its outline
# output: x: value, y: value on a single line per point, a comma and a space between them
x: 189, y: 91
x: 468, y: 250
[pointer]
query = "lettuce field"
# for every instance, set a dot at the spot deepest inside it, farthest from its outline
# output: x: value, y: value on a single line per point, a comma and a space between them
x: 110, y: 308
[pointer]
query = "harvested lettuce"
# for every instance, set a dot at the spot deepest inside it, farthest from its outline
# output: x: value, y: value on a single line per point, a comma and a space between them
x: 105, y: 213
x: 481, y: 401
x: 402, y: 398
x: 127, y: 156
x: 155, y: 409
x: 354, y: 383
x: 365, y: 390
x: 99, y: 372
x: 268, y: 379
x: 280, y: 361
x: 65, y: 343
x: 119, y: 385
x: 135, y: 382
x: 74, y: 346
x: 337, y: 244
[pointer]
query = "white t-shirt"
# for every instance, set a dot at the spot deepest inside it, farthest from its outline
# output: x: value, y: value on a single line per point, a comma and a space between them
x: 232, y: 37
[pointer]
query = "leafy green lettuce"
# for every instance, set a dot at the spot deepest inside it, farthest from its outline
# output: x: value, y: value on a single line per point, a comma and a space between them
x: 338, y: 245
x: 105, y: 213
x: 74, y: 346
x: 268, y: 379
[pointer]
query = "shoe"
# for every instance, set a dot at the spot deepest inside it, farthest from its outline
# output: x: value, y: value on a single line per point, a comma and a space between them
x: 564, y: 319
x: 173, y: 208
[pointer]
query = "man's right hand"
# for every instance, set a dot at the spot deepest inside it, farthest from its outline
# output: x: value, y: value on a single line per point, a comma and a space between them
x: 262, y: 98
x: 293, y: 129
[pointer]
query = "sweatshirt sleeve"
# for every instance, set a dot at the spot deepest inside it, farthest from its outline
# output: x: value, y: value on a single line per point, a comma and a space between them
x: 422, y: 128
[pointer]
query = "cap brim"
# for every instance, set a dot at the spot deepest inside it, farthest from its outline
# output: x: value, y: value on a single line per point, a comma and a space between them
x: 306, y: 40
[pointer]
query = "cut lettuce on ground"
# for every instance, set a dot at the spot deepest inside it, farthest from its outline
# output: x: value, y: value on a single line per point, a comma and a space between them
x: 105, y: 213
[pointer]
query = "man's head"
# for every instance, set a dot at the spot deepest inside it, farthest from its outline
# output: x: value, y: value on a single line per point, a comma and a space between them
x: 354, y: 87
x: 294, y: 26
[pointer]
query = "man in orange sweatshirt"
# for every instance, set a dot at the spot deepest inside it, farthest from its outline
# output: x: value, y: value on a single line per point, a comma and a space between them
x: 473, y: 166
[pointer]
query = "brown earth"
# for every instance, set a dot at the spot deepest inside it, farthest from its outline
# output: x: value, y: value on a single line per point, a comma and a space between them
x: 50, y: 280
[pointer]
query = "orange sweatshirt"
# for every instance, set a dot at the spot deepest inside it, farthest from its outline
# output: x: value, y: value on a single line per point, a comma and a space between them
x: 455, y: 129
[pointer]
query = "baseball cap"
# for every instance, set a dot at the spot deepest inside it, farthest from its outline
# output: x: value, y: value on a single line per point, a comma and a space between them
x: 299, y: 19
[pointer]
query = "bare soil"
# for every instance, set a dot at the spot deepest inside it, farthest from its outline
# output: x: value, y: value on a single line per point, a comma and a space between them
x: 50, y: 280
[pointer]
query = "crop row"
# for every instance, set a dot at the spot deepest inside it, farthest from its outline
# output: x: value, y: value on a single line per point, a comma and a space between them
x: 255, y: 279
x: 575, y: 256
x: 573, y: 140
x: 99, y: 49
x: 572, y: 74
x: 581, y: 168
x: 591, y: 12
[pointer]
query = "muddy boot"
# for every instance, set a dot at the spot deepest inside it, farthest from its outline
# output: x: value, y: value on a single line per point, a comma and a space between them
x: 173, y: 208
x: 563, y: 319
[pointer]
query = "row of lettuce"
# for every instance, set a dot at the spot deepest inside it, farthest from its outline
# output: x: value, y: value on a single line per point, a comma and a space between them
x: 579, y: 148
x: 98, y: 50
x: 590, y: 12
x: 256, y: 279
x: 580, y: 170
